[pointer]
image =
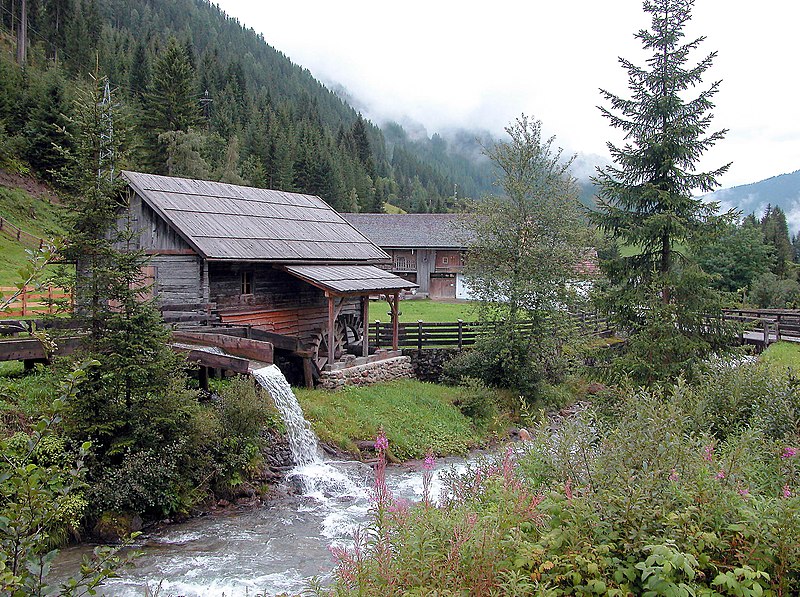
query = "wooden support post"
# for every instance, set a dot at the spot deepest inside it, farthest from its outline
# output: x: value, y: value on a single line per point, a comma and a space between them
x: 365, y: 322
x: 331, y: 327
x: 460, y: 334
x: 395, y: 321
x: 766, y: 333
x: 202, y: 377
x: 377, y: 333
x: 308, y: 373
x: 419, y: 335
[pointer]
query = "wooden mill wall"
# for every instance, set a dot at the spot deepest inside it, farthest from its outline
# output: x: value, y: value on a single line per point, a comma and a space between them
x: 278, y: 302
x: 175, y: 269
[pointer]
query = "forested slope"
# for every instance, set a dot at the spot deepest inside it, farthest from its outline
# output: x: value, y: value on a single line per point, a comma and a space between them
x: 199, y: 95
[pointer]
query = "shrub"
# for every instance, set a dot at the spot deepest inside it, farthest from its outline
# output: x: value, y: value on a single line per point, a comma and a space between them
x: 642, y: 502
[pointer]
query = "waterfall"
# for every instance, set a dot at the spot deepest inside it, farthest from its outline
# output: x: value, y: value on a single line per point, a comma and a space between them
x: 302, y: 441
x: 324, y: 479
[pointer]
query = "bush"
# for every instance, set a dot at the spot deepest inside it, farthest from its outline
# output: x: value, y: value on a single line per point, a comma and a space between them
x: 642, y: 502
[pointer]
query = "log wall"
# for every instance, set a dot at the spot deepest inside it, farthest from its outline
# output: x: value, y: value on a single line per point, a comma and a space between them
x: 279, y: 302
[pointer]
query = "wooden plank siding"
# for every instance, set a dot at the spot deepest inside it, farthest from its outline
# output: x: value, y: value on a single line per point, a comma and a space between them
x: 279, y: 303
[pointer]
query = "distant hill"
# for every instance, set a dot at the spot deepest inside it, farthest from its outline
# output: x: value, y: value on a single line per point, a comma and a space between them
x: 782, y: 190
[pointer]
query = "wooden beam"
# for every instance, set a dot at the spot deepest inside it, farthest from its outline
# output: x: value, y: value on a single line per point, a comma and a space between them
x: 393, y: 300
x: 208, y: 359
x: 243, y: 347
x: 365, y: 322
x: 31, y: 349
x: 308, y: 373
x: 331, y: 322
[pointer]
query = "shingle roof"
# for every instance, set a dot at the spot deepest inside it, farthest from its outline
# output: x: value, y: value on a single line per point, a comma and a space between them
x: 416, y: 231
x: 225, y: 221
x: 349, y: 278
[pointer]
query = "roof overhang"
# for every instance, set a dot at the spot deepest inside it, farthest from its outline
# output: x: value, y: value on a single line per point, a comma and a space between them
x: 349, y: 279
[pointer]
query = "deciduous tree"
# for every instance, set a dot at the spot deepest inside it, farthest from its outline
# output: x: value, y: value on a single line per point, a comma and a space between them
x: 522, y: 258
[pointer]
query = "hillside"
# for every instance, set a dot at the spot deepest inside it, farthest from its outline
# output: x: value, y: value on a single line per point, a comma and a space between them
x: 30, y: 206
x: 200, y: 95
x: 782, y: 190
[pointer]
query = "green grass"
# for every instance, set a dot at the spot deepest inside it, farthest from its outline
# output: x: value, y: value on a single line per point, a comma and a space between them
x: 415, y: 310
x: 416, y: 417
x: 782, y: 354
x: 32, y: 215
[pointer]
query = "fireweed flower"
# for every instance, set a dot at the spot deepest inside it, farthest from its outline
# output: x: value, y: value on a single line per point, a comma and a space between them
x: 381, y: 443
x: 787, y: 492
x: 708, y: 453
x: 721, y: 474
x: 674, y: 476
x: 789, y: 452
x: 427, y: 477
x: 744, y: 493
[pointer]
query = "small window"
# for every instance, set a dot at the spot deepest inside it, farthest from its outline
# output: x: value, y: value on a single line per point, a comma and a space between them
x: 445, y: 260
x: 247, y: 282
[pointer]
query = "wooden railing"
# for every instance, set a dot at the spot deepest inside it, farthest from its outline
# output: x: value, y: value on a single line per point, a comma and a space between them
x: 405, y: 264
x: 767, y: 325
x: 33, y: 301
x: 458, y: 334
x: 19, y: 235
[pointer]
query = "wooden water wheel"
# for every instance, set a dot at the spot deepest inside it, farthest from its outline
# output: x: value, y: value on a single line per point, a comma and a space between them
x: 354, y: 330
x: 319, y: 344
x: 348, y: 331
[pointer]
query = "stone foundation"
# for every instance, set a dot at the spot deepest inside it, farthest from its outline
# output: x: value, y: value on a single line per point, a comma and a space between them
x: 429, y: 363
x: 366, y: 374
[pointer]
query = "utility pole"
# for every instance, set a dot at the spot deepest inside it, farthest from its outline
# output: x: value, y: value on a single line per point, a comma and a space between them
x: 22, y: 34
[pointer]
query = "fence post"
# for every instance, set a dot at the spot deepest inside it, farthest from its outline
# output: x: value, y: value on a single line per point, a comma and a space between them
x: 419, y: 335
x: 766, y: 333
x: 460, y: 334
x: 377, y: 333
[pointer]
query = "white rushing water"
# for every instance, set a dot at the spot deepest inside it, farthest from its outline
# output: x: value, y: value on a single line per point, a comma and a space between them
x: 302, y: 441
x: 273, y: 549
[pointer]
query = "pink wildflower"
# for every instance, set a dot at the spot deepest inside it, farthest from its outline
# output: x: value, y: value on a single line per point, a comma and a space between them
x: 381, y: 443
x: 744, y: 493
x: 427, y: 477
x: 674, y: 476
x: 787, y: 492
x: 568, y: 489
x: 721, y: 474
x: 789, y: 452
x: 708, y: 453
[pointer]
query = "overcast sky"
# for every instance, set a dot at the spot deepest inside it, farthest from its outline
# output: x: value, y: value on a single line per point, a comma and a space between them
x: 449, y: 63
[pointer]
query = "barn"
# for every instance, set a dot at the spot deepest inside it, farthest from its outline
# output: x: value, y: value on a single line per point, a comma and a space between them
x: 285, y: 264
x: 427, y: 249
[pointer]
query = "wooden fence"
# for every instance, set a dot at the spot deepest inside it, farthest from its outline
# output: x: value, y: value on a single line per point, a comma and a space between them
x: 458, y: 334
x: 19, y: 235
x: 33, y: 301
x: 767, y: 325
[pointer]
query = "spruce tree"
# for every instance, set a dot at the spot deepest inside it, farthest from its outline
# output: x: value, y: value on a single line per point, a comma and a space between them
x: 646, y: 199
x: 776, y: 235
x: 171, y: 102
x: 130, y: 403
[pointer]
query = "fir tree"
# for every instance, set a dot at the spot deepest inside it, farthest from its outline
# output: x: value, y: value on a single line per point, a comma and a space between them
x: 776, y: 236
x: 129, y: 403
x: 170, y: 103
x: 647, y: 202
